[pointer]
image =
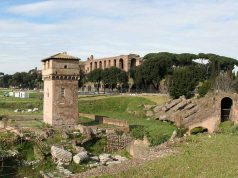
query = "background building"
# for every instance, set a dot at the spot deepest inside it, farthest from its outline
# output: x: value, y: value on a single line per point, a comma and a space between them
x: 124, y: 62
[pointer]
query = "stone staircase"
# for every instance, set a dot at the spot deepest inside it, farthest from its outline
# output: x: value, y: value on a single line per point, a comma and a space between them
x: 185, y: 112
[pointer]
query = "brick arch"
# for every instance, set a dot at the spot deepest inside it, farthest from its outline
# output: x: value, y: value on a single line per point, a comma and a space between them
x: 91, y: 66
x: 133, y: 63
x: 105, y: 64
x: 114, y: 62
x: 121, y: 63
x: 100, y: 65
x: 226, y: 109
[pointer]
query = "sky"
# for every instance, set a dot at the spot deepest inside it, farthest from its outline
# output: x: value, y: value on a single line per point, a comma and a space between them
x: 31, y: 30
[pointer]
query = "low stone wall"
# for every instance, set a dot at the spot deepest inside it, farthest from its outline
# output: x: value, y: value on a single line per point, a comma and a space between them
x: 122, y: 125
x: 106, y: 120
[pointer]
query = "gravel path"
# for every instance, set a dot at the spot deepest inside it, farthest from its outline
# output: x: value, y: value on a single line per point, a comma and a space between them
x: 155, y: 152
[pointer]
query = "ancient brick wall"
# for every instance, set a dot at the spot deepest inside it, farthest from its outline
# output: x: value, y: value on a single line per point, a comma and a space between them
x: 124, y: 62
x: 109, y: 121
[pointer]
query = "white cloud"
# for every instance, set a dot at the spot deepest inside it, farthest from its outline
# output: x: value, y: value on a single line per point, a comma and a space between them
x: 105, y: 28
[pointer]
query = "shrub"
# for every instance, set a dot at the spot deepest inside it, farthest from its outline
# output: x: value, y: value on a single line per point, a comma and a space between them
x: 138, y: 132
x: 158, y: 139
x: 202, y: 90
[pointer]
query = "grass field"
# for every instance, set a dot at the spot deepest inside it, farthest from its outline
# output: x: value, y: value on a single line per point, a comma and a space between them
x: 158, y: 99
x: 9, y: 104
x: 129, y: 108
x: 200, y: 156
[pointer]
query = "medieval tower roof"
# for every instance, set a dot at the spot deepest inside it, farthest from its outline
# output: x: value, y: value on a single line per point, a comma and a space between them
x: 63, y: 55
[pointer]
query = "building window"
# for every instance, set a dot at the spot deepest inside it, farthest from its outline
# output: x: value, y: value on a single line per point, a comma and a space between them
x: 65, y: 66
x: 62, y: 92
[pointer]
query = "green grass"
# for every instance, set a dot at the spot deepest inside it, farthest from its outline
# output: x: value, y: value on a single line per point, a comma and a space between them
x: 95, y: 146
x: 9, y: 104
x: 131, y: 109
x: 199, y: 156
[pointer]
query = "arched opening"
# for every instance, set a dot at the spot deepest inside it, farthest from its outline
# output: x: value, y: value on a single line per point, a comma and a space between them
x: 197, y: 130
x: 91, y: 66
x: 133, y: 63
x: 95, y: 65
x: 105, y: 64
x: 121, y: 64
x: 226, y: 104
x: 100, y: 65
x: 109, y: 63
x: 115, y: 63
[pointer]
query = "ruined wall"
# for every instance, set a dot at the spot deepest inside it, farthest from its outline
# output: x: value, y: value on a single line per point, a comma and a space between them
x: 203, y: 112
x: 109, y: 121
x: 123, y: 62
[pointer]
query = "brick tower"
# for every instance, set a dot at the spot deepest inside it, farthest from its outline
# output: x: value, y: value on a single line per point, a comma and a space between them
x: 61, y: 74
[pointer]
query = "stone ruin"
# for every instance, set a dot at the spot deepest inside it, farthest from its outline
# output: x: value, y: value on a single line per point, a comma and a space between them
x: 207, y: 112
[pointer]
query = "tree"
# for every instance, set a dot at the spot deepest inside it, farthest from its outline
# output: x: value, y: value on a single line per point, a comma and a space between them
x: 155, y: 68
x: 113, y: 76
x: 30, y: 80
x: 184, y: 80
x: 5, y: 81
x: 223, y: 82
x: 95, y: 76
x: 122, y: 79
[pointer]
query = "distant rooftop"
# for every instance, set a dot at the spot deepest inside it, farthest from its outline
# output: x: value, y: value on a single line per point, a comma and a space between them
x: 63, y: 55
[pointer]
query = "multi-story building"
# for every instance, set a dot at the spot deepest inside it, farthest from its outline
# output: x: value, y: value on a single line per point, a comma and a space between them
x: 124, y: 62
x: 60, y: 73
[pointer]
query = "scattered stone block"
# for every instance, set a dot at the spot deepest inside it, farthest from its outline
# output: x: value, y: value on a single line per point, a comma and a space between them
x: 61, y: 155
x: 104, y: 158
x: 149, y: 113
x: 29, y: 110
x: 95, y: 158
x: 80, y: 157
x: 78, y: 149
x: 35, y: 109
x: 17, y: 110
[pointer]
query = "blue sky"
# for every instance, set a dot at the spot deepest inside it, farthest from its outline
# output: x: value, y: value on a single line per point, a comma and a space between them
x: 32, y: 29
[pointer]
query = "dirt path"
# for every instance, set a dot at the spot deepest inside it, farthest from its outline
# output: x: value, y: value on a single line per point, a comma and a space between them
x: 154, y: 153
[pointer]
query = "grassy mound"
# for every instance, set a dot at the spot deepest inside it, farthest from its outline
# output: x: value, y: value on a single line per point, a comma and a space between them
x: 131, y: 109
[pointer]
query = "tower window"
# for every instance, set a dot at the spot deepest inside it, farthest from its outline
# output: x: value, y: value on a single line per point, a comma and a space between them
x: 62, y: 92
